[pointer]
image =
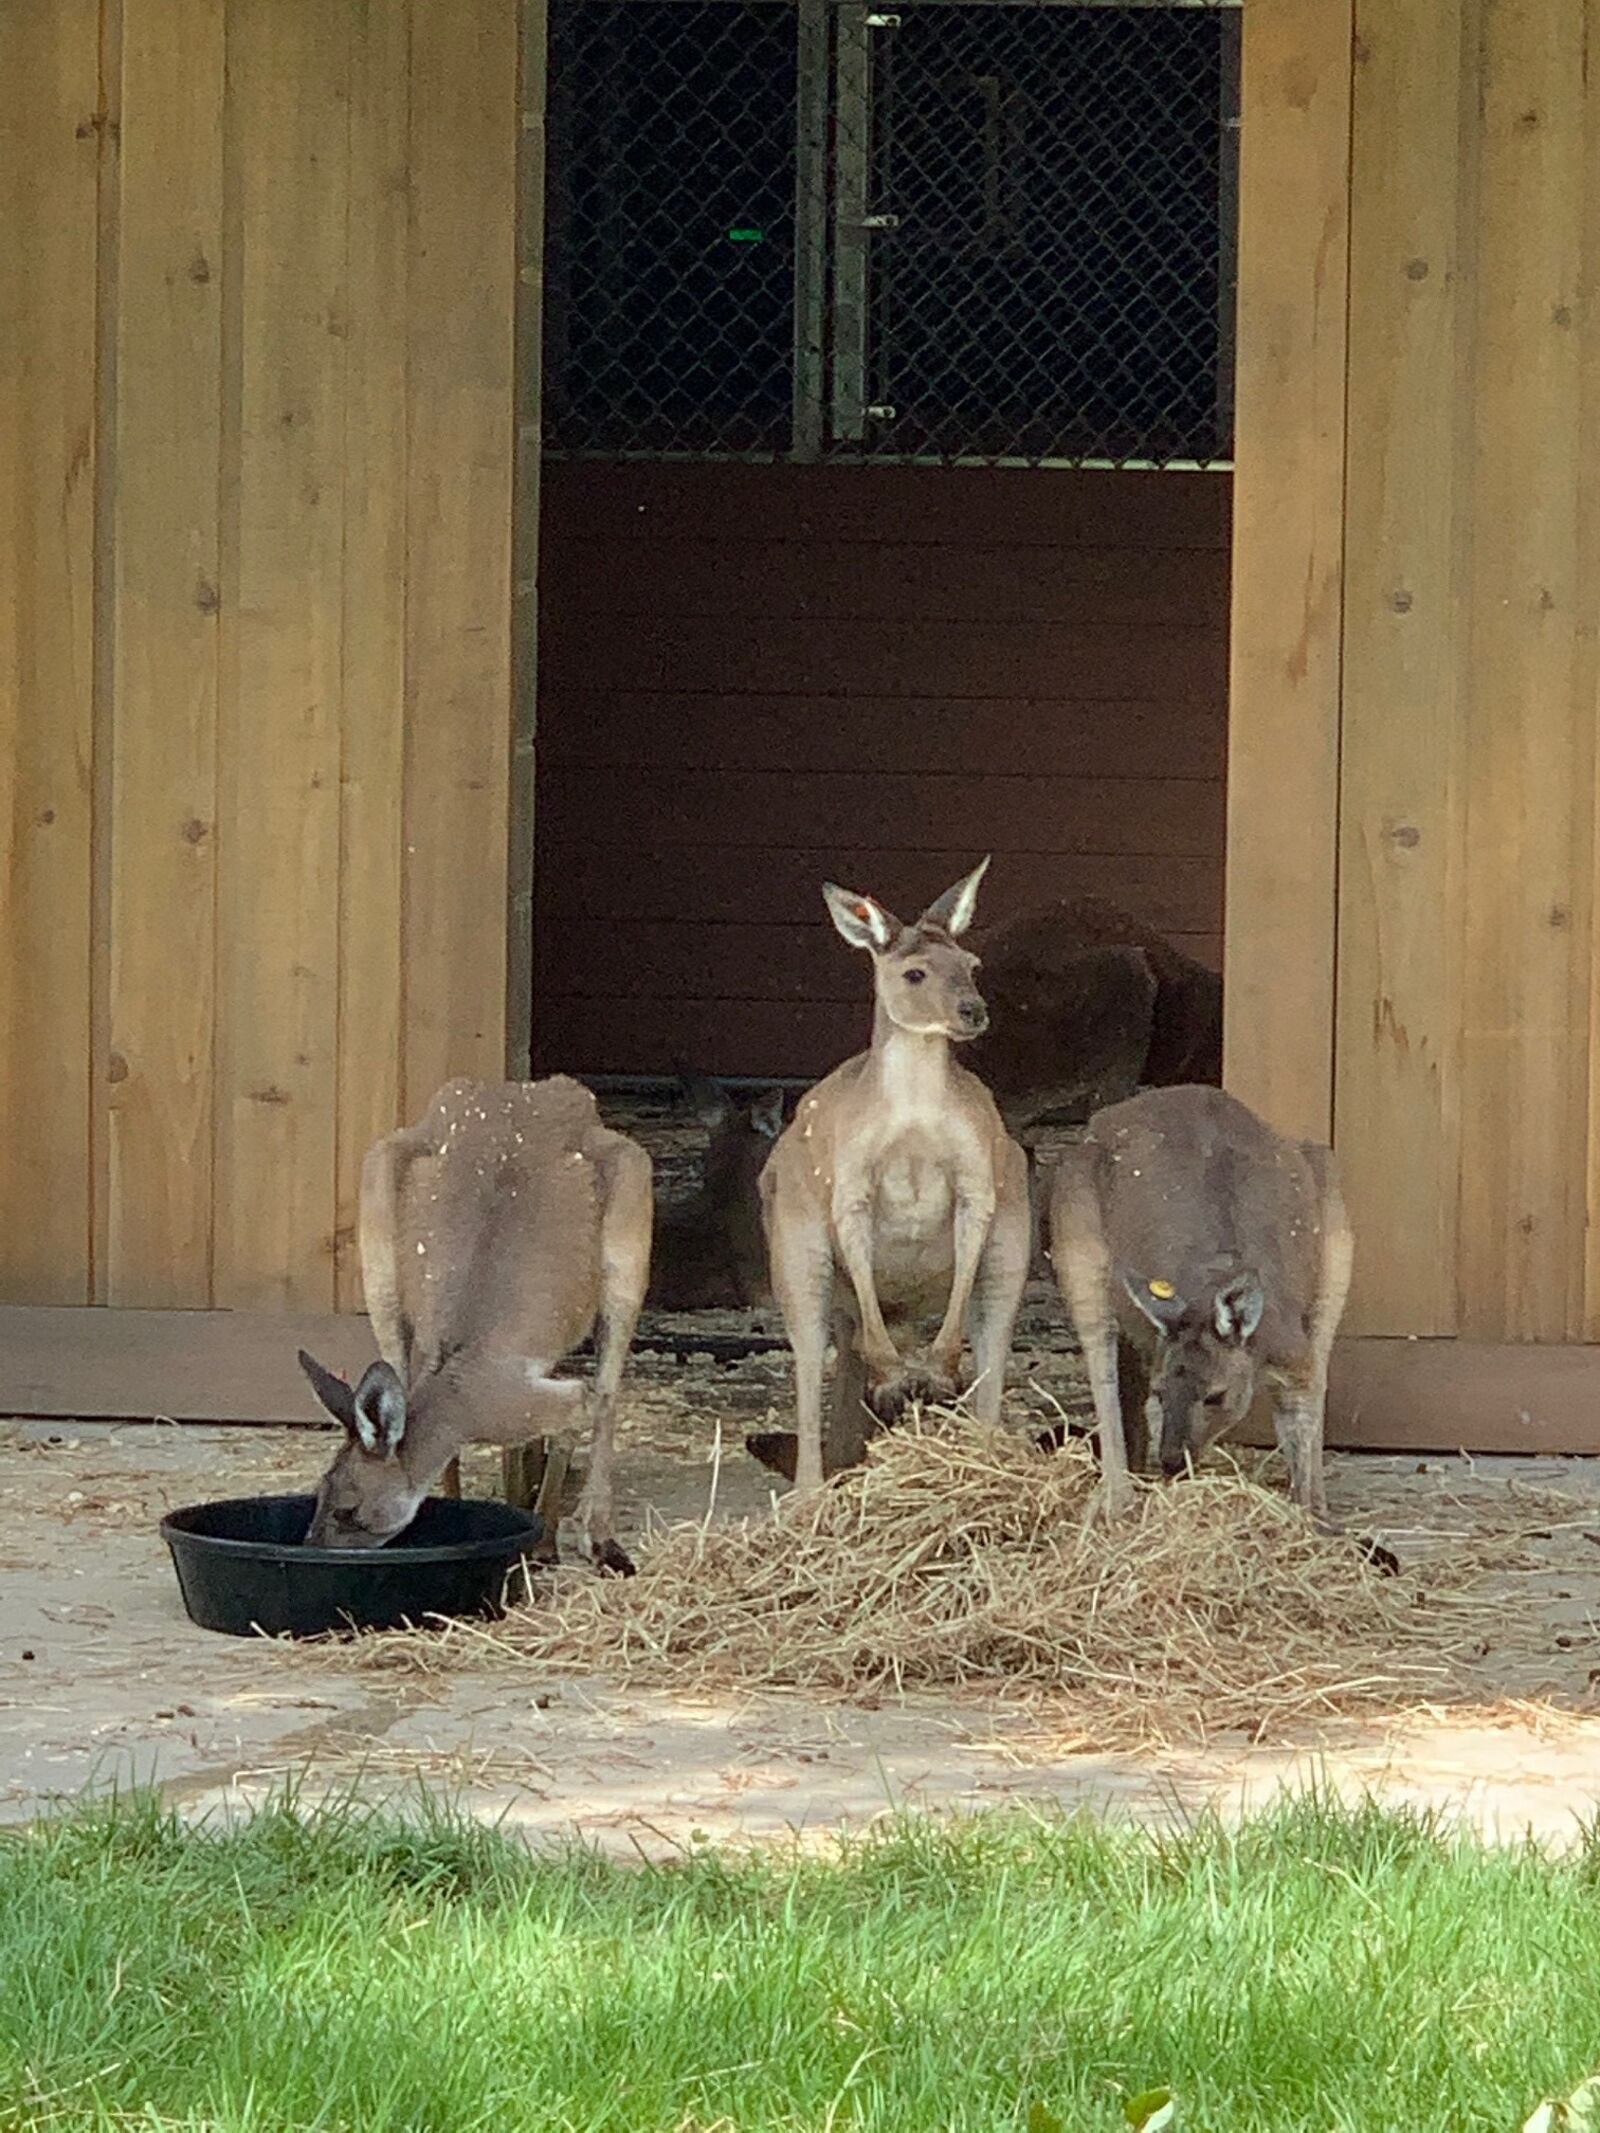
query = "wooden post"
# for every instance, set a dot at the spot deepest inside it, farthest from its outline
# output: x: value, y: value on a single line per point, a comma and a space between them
x: 1412, y: 416
x: 1289, y: 454
x: 522, y: 1470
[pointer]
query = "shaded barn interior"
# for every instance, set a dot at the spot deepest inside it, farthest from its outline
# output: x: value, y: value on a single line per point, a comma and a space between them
x: 753, y: 677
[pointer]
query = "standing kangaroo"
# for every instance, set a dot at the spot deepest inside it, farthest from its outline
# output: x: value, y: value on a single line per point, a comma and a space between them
x: 1198, y: 1253
x: 493, y: 1236
x: 896, y: 1192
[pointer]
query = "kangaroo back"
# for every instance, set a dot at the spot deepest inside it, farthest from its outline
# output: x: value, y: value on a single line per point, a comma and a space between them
x: 1194, y: 1189
x: 497, y: 1203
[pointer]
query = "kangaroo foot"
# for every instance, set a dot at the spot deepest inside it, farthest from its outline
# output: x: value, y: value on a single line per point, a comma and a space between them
x: 777, y: 1449
x: 915, y: 1386
x: 610, y: 1560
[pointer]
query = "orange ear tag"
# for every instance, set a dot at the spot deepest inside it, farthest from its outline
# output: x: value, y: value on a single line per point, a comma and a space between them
x: 1164, y: 1290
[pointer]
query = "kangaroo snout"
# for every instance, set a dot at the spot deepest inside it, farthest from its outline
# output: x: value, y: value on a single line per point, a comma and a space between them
x: 973, y: 1017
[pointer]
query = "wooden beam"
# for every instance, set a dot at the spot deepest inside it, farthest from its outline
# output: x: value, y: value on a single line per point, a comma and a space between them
x: 50, y: 148
x: 183, y: 1366
x: 1456, y: 1395
x: 1283, y: 766
x: 239, y: 1366
x: 1397, y: 1077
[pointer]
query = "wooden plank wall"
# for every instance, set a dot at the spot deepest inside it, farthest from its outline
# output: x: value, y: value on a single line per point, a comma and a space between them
x: 1466, y: 1104
x: 256, y: 686
x: 754, y: 677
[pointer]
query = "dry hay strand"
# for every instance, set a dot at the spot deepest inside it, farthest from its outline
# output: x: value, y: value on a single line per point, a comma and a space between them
x: 961, y: 1556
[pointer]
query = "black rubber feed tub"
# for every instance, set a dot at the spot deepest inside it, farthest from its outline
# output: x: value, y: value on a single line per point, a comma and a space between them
x: 242, y: 1570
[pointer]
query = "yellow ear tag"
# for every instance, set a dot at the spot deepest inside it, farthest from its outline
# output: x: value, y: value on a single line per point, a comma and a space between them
x: 1163, y: 1289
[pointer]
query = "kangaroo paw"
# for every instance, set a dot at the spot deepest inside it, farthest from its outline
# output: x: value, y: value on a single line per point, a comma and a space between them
x: 777, y: 1449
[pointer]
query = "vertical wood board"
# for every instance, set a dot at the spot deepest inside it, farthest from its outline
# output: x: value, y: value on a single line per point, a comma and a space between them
x: 168, y: 595
x: 1288, y: 559
x: 49, y: 156
x: 278, y: 950
x: 458, y: 541
x: 371, y: 822
x: 1530, y: 754
x: 1397, y: 1085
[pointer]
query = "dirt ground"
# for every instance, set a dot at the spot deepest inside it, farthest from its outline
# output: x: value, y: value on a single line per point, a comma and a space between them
x: 104, y: 1681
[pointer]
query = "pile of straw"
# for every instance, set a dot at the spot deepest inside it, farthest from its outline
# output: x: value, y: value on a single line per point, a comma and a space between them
x: 961, y: 1556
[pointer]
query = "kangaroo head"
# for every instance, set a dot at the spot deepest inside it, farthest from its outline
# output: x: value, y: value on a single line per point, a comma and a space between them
x: 366, y: 1496
x: 1203, y: 1376
x: 925, y: 980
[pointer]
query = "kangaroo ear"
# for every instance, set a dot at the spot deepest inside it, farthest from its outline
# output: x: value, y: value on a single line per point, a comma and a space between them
x: 707, y: 1099
x: 1158, y: 1300
x: 766, y: 1113
x: 863, y: 923
x: 380, y: 1411
x: 953, y: 910
x: 1238, y: 1308
x: 335, y: 1395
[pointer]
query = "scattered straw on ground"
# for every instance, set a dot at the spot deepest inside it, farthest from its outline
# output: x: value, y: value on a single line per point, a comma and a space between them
x: 961, y: 1556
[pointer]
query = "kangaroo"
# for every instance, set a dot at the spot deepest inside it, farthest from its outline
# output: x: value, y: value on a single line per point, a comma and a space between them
x: 1085, y: 1006
x: 1200, y: 1253
x: 493, y: 1235
x: 896, y: 1192
x: 710, y: 1254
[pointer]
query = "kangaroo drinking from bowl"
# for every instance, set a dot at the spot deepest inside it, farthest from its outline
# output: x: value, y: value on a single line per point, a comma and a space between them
x: 896, y: 1192
x: 1199, y: 1254
x: 493, y: 1236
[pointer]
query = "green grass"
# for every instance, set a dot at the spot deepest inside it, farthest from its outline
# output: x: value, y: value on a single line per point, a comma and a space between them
x: 1318, y: 1970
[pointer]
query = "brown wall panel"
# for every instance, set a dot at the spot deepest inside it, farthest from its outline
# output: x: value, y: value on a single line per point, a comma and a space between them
x: 876, y: 676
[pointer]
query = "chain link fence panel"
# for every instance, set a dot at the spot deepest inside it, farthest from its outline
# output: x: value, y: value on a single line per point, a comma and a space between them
x: 992, y: 232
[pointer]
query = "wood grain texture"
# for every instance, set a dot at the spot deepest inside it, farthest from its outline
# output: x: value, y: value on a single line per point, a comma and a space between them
x: 278, y: 950
x: 165, y: 540
x: 1283, y: 764
x: 371, y: 988
x: 1588, y: 657
x: 1397, y: 1089
x: 49, y: 156
x: 1529, y: 792
x: 464, y: 117
x: 527, y: 604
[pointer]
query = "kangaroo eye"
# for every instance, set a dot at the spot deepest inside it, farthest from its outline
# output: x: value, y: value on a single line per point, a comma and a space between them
x: 1212, y: 1399
x: 915, y: 977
